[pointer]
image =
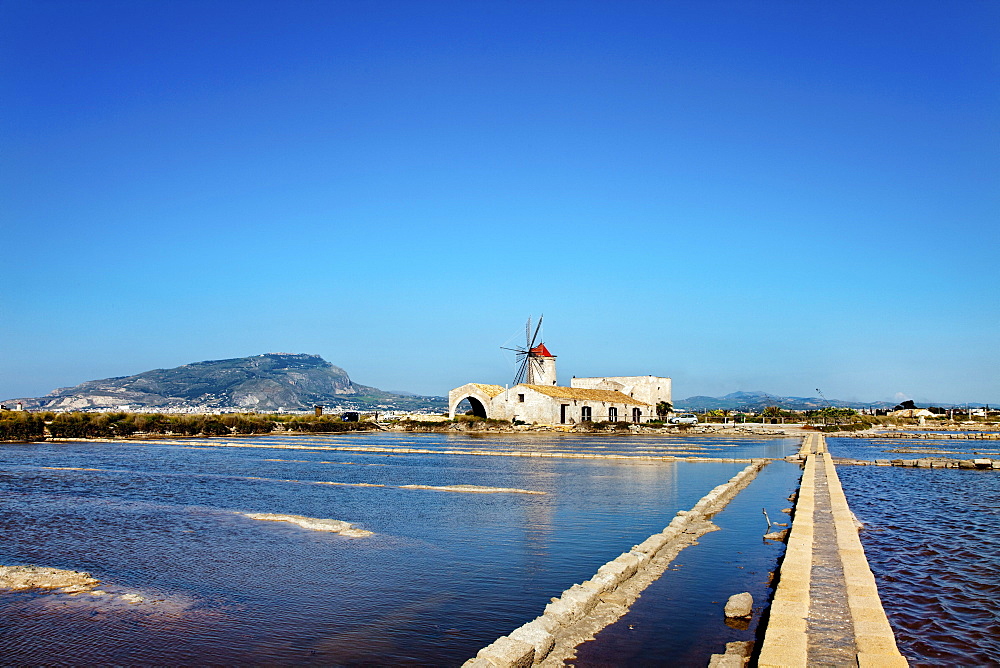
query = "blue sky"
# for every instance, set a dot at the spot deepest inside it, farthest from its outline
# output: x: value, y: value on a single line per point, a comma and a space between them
x: 740, y: 195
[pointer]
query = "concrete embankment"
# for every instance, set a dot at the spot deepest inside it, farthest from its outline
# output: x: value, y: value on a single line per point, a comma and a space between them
x: 586, y: 608
x: 826, y: 608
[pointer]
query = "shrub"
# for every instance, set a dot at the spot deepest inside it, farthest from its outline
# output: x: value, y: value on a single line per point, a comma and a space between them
x: 21, y: 426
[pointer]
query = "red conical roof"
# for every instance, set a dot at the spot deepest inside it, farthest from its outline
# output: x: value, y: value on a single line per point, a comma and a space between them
x: 541, y: 351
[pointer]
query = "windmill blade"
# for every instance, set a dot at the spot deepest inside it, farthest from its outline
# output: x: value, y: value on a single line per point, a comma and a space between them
x: 522, y: 369
x: 519, y: 351
x: 531, y: 344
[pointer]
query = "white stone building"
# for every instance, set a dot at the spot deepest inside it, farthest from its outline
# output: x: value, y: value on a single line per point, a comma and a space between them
x: 541, y: 401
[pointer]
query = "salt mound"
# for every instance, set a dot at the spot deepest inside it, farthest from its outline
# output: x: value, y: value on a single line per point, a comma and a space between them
x: 314, y: 524
x: 478, y: 489
x: 19, y: 578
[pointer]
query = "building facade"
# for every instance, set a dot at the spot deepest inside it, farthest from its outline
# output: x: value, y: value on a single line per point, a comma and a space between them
x: 541, y: 401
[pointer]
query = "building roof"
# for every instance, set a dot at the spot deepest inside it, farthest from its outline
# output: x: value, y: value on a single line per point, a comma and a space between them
x: 611, y: 396
x: 491, y: 390
x: 541, y: 351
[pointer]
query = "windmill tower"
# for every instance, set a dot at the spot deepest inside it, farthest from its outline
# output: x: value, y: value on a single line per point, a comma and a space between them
x: 535, y: 364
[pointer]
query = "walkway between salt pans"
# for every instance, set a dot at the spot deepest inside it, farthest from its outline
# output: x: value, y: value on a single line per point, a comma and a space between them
x: 826, y: 609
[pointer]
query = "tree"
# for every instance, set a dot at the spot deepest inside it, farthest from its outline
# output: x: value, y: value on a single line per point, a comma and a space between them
x: 663, y: 407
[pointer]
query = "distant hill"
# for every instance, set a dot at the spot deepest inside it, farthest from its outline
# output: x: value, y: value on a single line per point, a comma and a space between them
x: 755, y: 401
x: 262, y: 383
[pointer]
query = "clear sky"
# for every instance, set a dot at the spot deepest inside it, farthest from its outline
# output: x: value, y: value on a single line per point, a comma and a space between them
x: 776, y: 196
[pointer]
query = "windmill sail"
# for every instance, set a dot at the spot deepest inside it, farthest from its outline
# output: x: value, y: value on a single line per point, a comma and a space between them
x: 528, y: 359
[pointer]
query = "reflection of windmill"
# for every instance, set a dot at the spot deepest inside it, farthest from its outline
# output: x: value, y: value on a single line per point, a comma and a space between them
x: 535, y: 364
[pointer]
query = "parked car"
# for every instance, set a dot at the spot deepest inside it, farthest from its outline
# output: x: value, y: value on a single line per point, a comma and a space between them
x: 684, y: 418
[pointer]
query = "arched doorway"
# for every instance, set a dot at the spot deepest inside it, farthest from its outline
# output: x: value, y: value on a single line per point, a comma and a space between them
x: 474, y: 405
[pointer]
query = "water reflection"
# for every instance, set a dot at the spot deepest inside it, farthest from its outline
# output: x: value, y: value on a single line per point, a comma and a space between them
x: 444, y: 574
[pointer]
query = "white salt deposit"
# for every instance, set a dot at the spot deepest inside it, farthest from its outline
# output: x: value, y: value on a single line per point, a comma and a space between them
x: 314, y: 524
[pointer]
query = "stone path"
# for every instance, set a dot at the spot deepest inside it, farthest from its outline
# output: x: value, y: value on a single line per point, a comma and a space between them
x: 826, y: 609
x: 829, y: 628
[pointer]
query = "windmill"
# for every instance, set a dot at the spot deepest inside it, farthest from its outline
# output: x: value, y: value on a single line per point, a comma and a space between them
x: 535, y: 364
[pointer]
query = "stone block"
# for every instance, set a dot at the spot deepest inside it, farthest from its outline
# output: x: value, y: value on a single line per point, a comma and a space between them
x: 612, y: 572
x: 604, y: 582
x: 564, y: 611
x: 726, y: 661
x: 651, y: 545
x: 877, y: 644
x: 881, y: 661
x: 616, y: 598
x: 642, y: 557
x: 743, y: 648
x: 874, y: 627
x: 585, y: 597
x: 508, y: 652
x: 982, y: 463
x: 536, y: 634
x: 777, y: 654
x: 630, y: 563
x: 788, y: 627
x: 739, y: 605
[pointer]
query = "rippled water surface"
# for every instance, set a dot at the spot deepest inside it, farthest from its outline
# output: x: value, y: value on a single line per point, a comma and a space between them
x: 444, y: 573
x: 932, y: 538
x: 896, y: 448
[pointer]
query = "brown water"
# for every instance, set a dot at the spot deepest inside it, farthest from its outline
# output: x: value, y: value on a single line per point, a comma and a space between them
x: 932, y: 538
x: 444, y: 574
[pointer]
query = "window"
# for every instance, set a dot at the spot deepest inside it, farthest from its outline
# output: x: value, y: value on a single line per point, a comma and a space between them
x: 585, y: 414
x: 520, y: 398
x: 613, y: 414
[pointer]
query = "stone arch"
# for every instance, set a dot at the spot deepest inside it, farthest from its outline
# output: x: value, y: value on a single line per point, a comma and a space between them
x: 478, y: 409
x: 479, y: 399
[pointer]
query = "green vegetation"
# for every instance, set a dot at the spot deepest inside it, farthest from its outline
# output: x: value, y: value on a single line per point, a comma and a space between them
x: 21, y: 426
x: 323, y: 423
x: 118, y: 425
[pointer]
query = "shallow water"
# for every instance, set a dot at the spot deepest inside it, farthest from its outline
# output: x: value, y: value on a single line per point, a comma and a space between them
x: 932, y: 538
x: 734, y: 559
x: 445, y: 573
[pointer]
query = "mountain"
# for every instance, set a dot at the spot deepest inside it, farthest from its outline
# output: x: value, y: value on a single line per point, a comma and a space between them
x: 262, y: 383
x: 755, y: 401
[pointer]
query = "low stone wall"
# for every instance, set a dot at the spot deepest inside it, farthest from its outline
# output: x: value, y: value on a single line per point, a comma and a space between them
x: 982, y: 436
x: 586, y: 608
x: 928, y: 463
x: 786, y: 641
